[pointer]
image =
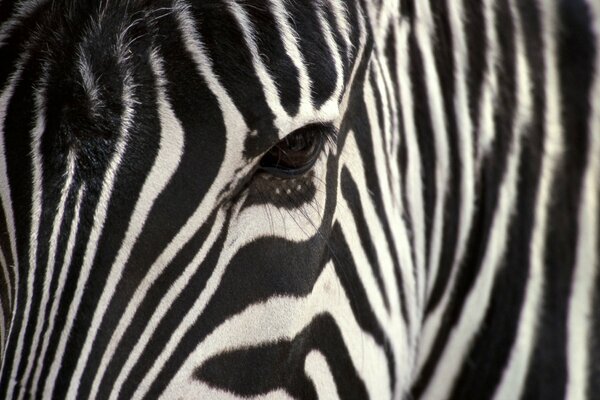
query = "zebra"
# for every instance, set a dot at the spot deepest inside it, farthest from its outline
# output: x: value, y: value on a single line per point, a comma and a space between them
x: 300, y: 199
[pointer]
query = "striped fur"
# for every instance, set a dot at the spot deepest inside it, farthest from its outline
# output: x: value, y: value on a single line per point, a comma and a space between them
x: 445, y: 244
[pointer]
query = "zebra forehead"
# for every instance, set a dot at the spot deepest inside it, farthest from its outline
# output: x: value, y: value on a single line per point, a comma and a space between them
x: 98, y: 47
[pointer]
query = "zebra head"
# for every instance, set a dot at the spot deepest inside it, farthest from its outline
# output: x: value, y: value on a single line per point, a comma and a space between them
x: 192, y: 195
x: 299, y: 199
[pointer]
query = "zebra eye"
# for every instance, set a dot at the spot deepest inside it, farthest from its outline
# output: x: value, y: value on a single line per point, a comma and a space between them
x: 296, y: 153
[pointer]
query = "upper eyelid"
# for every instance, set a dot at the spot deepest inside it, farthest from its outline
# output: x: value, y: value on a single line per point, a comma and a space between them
x: 321, y: 125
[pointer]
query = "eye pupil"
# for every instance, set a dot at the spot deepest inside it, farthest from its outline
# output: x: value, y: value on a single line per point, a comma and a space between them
x: 295, y: 154
x: 298, y: 142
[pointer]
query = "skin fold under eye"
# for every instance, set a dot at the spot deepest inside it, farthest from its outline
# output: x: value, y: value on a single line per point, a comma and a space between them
x: 297, y: 153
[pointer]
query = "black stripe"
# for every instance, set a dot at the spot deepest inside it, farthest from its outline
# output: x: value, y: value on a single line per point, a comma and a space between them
x: 444, y: 60
x: 272, y: 52
x: 89, y: 202
x: 140, y: 151
x: 351, y: 195
x: 475, y: 26
x: 147, y: 308
x: 61, y: 250
x: 19, y: 122
x: 493, y: 344
x: 232, y: 63
x: 425, y: 136
x: 492, y: 176
x: 317, y: 55
x: 576, y: 53
x: 270, y: 366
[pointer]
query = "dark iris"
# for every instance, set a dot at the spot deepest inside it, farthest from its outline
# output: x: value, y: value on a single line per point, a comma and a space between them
x: 295, y: 154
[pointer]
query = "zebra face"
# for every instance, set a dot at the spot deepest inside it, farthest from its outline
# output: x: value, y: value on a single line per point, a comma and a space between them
x: 181, y: 188
x: 267, y: 199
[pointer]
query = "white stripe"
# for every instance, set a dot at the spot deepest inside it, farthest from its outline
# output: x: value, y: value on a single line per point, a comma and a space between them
x: 6, y: 277
x: 51, y: 262
x: 515, y: 372
x: 489, y: 88
x: 467, y: 189
x: 318, y: 371
x: 290, y: 41
x: 361, y: 45
x: 393, y: 214
x: 59, y: 289
x: 332, y: 103
x: 194, y: 389
x: 100, y: 215
x: 282, y: 120
x: 386, y: 87
x: 167, y: 300
x: 166, y: 163
x: 403, y: 349
x: 464, y: 131
x: 414, y: 179
x: 3, y: 327
x: 190, y: 317
x: 234, y: 126
x: 580, y: 328
x: 363, y: 268
x: 340, y: 11
x: 286, y: 317
x: 485, y: 134
x: 388, y: 211
x: 477, y: 301
x: 244, y: 231
x: 36, y: 211
x: 352, y: 160
x: 424, y: 28
x: 382, y: 137
x: 5, y: 193
x: 393, y: 141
